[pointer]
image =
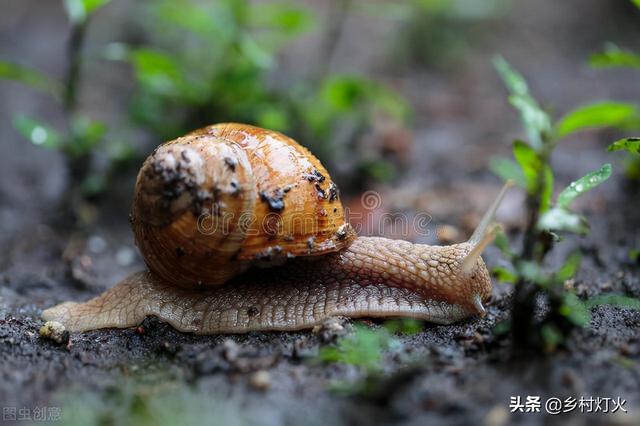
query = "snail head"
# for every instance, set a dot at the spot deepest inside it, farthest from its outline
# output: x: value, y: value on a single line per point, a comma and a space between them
x: 459, y: 271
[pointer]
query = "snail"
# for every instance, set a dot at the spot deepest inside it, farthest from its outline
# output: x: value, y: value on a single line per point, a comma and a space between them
x: 213, y: 208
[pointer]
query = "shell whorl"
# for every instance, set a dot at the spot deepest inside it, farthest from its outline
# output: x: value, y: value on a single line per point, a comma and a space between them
x: 218, y: 200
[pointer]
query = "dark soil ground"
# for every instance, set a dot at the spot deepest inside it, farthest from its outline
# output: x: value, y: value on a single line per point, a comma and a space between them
x: 461, y: 374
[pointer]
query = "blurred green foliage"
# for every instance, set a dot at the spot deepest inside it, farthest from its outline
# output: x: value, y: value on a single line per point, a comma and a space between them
x: 80, y: 136
x: 156, y: 402
x: 80, y: 10
x: 439, y: 33
x: 209, y: 62
x: 31, y: 78
x: 613, y: 56
x: 632, y: 161
x: 202, y: 62
x: 365, y: 347
x: 532, y: 170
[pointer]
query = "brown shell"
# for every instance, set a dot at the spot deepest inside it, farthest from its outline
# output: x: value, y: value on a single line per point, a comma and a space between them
x: 228, y: 196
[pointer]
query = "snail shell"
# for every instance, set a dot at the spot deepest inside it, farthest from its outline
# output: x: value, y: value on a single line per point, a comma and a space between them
x: 212, y: 204
x: 226, y: 197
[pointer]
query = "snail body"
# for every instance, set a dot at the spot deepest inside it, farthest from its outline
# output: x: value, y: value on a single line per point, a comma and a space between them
x: 213, y: 207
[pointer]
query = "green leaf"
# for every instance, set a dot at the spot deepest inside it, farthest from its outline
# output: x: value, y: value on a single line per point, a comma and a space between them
x: 601, y: 114
x: 403, y: 326
x: 614, y: 300
x: 30, y: 77
x: 631, y: 145
x: 532, y: 169
x: 613, y: 57
x: 637, y: 3
x: 551, y: 336
x: 343, y: 93
x: 570, y: 267
x: 515, y: 82
x: 547, y: 189
x: 507, y: 170
x: 529, y: 163
x: 274, y: 118
x: 184, y: 14
x: 582, y: 185
x: 504, y: 275
x: 259, y: 56
x: 157, y: 71
x: 575, y: 310
x: 282, y: 17
x: 531, y: 271
x: 536, y: 122
x: 362, y: 348
x: 79, y: 10
x: 86, y: 134
x: 561, y: 219
x: 352, y: 94
x: 38, y: 133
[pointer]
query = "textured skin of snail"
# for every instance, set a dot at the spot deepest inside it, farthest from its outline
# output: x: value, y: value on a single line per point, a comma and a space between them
x: 334, y: 273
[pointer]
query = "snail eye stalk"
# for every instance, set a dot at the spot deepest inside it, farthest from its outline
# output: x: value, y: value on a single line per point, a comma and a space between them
x: 488, y: 218
x: 486, y: 231
x: 472, y: 257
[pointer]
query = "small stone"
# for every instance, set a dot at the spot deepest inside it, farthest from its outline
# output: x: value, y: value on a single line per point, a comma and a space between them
x: 260, y: 380
x: 230, y: 350
x: 331, y: 329
x: 497, y: 416
x: 55, y: 331
x: 448, y: 234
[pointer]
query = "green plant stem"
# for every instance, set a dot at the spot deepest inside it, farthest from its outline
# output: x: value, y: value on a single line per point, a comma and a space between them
x: 534, y: 248
x: 73, y: 76
x: 77, y: 165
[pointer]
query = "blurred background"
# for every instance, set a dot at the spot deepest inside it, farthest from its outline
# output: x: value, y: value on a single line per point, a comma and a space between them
x: 398, y: 93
